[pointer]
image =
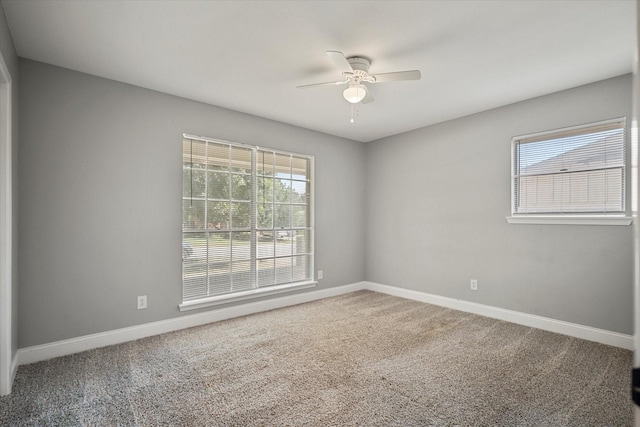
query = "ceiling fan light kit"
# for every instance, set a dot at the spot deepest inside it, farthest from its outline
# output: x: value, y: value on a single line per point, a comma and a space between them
x: 355, y: 72
x: 355, y: 93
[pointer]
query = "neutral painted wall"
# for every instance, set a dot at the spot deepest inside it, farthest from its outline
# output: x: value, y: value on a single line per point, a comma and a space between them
x: 437, y: 199
x: 100, y: 199
x: 99, y: 207
x: 10, y: 58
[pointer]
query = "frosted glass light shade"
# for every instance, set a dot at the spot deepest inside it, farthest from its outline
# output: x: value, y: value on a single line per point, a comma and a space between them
x: 354, y: 93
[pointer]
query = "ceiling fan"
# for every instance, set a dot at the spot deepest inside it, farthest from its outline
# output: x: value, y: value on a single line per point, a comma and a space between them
x: 355, y: 72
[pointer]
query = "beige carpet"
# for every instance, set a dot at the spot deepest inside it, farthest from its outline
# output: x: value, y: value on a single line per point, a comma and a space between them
x: 362, y: 359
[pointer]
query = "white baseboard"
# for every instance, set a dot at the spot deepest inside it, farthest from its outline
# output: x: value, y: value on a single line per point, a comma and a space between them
x: 38, y: 353
x: 75, y: 345
x: 566, y: 328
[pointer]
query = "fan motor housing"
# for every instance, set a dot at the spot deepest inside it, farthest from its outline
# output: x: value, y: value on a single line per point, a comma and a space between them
x: 359, y: 63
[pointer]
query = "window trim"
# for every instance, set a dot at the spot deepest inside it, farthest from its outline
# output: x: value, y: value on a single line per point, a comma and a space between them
x: 245, y: 295
x: 614, y: 218
x: 570, y: 220
x: 254, y: 293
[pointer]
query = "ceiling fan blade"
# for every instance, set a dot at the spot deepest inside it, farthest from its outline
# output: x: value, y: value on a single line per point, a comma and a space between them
x: 337, y: 83
x: 340, y: 60
x: 397, y: 76
x: 368, y: 98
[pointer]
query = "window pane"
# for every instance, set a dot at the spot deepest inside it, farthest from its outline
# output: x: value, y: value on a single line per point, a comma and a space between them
x: 218, y: 156
x: 284, y: 246
x: 194, y: 153
x: 265, y: 189
x: 282, y: 190
x: 241, y: 245
x: 194, y: 266
x: 264, y: 164
x: 299, y: 191
x: 218, y: 185
x: 283, y: 165
x: 588, y: 191
x: 282, y: 216
x: 300, y: 168
x: 194, y: 281
x: 300, y: 216
x: 193, y: 214
x: 283, y: 270
x: 194, y: 183
x: 300, y: 270
x: 265, y: 245
x: 240, y: 215
x: 241, y: 187
x: 301, y: 242
x: 241, y: 276
x: 581, y: 152
x: 219, y: 249
x: 266, y: 272
x: 217, y: 215
x: 219, y: 280
x: 186, y: 182
x: 265, y: 215
x: 241, y: 160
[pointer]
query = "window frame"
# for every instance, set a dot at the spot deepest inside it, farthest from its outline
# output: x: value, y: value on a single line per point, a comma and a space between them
x: 255, y: 229
x: 570, y: 218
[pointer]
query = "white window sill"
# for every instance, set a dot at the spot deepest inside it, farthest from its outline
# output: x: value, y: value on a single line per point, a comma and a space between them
x: 245, y: 295
x: 570, y: 220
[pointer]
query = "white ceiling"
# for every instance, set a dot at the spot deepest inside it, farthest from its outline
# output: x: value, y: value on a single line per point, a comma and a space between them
x: 249, y: 56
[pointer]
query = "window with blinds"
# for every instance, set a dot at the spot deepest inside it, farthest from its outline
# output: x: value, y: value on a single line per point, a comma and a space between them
x: 246, y: 218
x: 577, y: 170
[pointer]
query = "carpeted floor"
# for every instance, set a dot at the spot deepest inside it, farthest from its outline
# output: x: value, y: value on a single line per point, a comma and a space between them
x: 361, y: 359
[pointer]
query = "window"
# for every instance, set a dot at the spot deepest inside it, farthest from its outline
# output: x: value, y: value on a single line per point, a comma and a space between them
x: 247, y: 221
x: 577, y: 171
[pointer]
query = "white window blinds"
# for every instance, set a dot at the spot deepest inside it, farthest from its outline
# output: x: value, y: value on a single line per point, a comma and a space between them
x: 578, y: 170
x: 247, y: 218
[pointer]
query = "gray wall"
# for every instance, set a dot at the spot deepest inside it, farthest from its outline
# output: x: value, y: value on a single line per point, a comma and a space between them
x: 100, y: 205
x: 437, y: 199
x: 99, y: 184
x: 11, y: 60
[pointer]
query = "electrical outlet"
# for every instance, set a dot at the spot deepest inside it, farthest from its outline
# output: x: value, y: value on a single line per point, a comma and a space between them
x: 474, y: 285
x: 142, y: 302
x: 320, y: 275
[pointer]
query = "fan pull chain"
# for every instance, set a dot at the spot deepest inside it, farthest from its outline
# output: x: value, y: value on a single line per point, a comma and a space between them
x: 357, y: 113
